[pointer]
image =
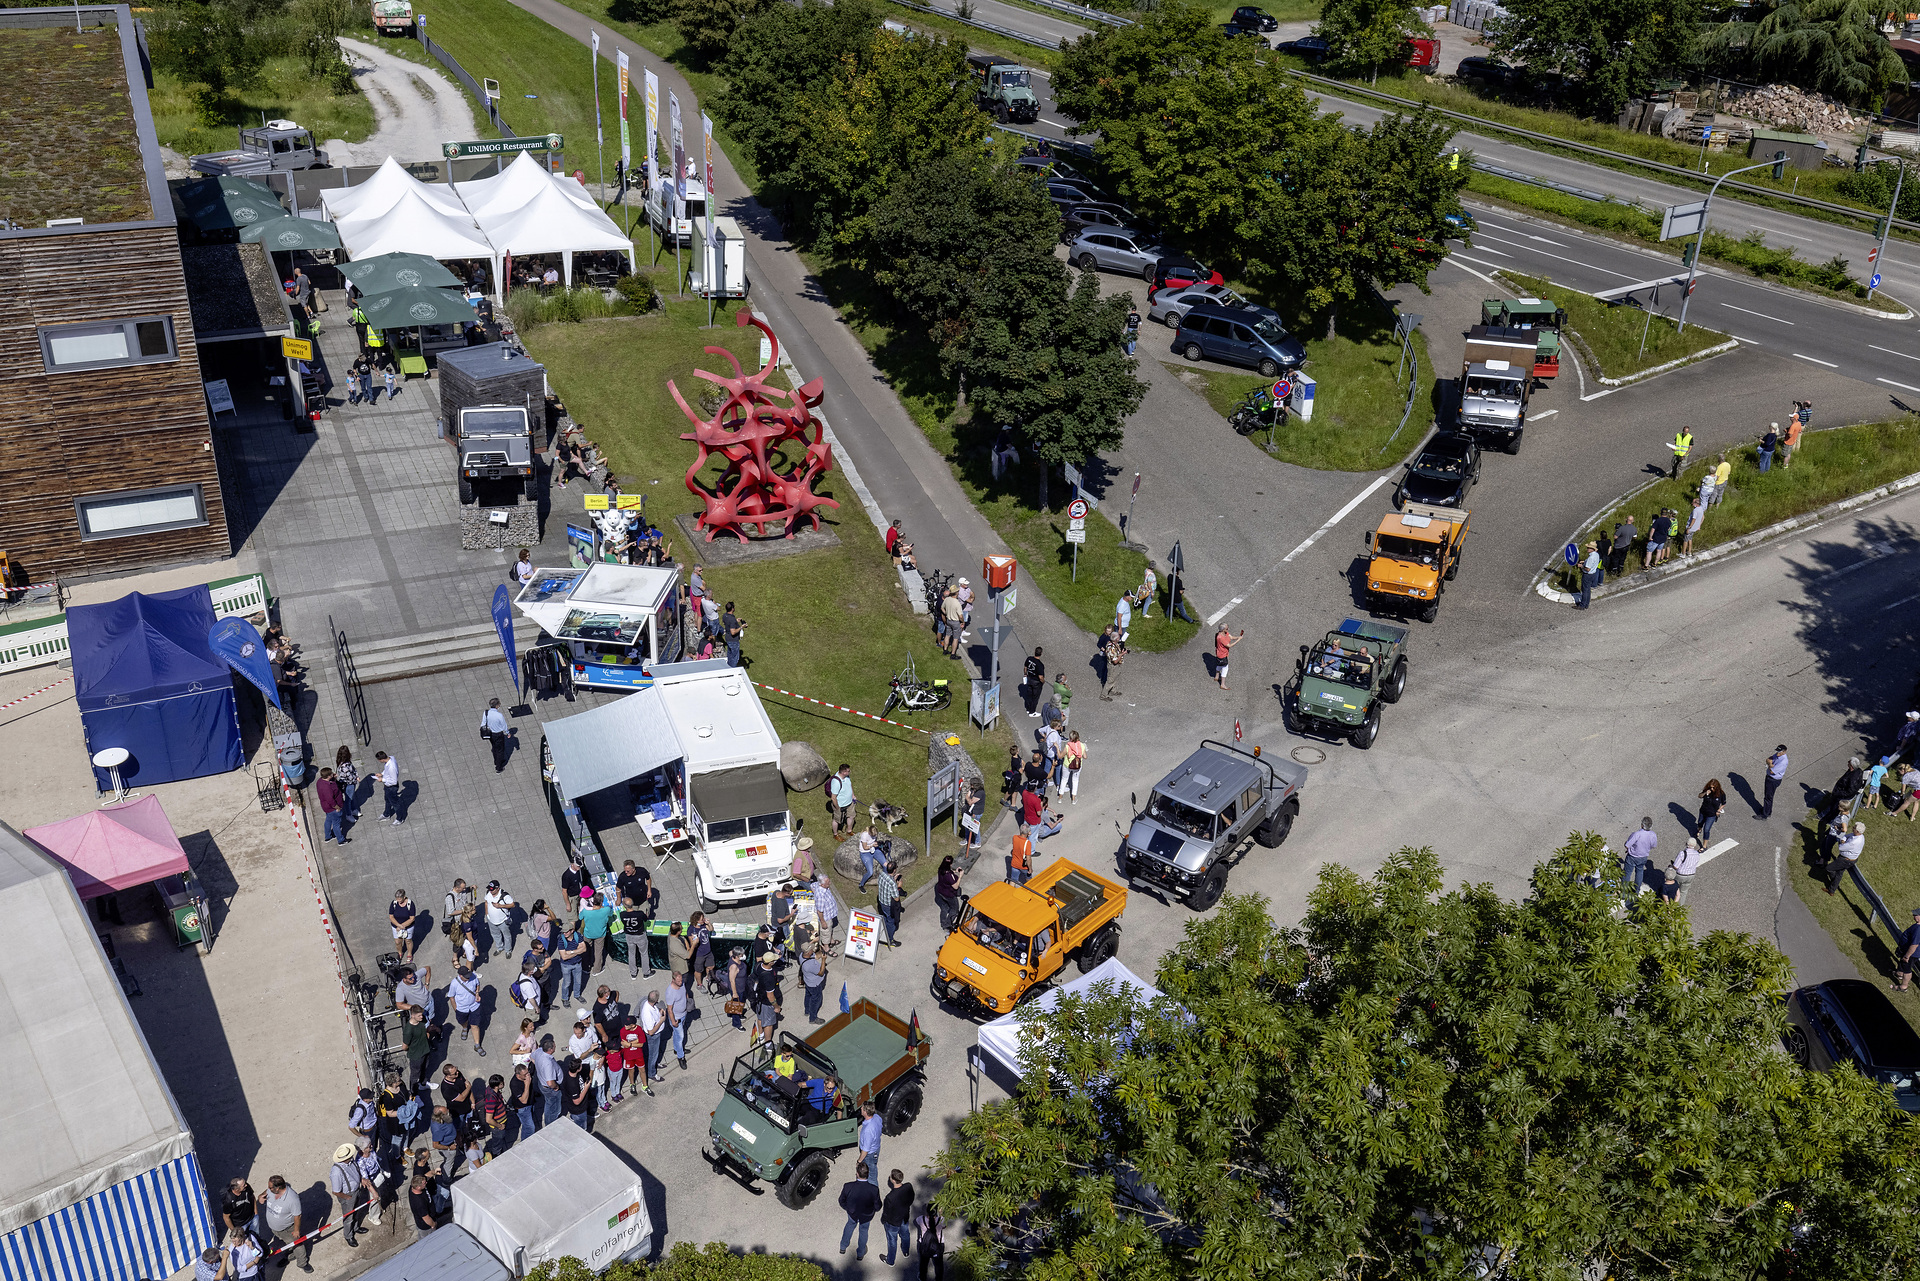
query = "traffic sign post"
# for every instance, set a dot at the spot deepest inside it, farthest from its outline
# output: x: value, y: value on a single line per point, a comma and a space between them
x: 1571, y: 552
x: 1127, y: 528
x: 1886, y: 229
x: 1076, y: 532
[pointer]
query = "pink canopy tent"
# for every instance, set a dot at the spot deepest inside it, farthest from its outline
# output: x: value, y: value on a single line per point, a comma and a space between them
x: 114, y: 848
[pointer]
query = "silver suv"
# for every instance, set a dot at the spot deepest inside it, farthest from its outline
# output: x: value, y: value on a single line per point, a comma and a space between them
x: 1171, y: 305
x: 1128, y: 252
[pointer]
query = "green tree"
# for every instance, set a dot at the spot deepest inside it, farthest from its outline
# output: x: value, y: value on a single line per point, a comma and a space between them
x: 1369, y: 34
x: 1830, y: 46
x: 688, y: 1262
x: 1354, y: 210
x: 708, y: 25
x: 954, y: 228
x: 208, y: 46
x: 1049, y: 363
x: 1188, y: 120
x: 1611, y: 49
x: 1418, y: 1083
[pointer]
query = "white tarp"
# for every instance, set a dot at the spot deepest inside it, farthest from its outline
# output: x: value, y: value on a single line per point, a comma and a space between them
x: 389, y: 184
x: 550, y: 223
x: 612, y: 743
x: 1001, y: 1037
x: 514, y: 186
x: 560, y: 1193
x: 85, y: 1107
x: 414, y: 224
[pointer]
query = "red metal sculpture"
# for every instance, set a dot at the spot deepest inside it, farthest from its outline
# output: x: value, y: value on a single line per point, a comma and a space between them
x: 756, y: 423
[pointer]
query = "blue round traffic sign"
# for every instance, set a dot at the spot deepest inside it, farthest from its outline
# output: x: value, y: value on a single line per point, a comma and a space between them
x: 1282, y: 389
x: 1875, y: 282
x: 1572, y: 554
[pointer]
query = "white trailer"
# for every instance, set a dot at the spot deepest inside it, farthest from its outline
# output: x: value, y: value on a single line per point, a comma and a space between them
x: 560, y: 1194
x: 723, y: 268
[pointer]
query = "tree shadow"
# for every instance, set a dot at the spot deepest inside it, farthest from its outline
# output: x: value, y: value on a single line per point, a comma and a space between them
x: 1867, y: 657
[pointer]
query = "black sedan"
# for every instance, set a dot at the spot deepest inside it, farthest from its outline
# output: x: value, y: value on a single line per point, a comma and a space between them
x: 1851, y: 1021
x: 1312, y: 48
x: 1442, y: 473
x: 1255, y: 19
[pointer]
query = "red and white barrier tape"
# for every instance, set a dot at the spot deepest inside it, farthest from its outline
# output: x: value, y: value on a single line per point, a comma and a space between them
x: 15, y: 702
x: 838, y: 708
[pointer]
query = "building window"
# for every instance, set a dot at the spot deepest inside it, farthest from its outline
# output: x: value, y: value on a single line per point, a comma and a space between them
x: 139, y: 511
x: 144, y: 341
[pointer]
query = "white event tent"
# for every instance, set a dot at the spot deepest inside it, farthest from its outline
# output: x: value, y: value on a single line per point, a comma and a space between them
x: 522, y: 210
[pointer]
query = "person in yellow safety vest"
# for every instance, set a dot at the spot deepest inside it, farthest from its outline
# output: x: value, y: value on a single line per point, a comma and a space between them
x: 359, y: 319
x: 1682, y: 443
x: 374, y: 341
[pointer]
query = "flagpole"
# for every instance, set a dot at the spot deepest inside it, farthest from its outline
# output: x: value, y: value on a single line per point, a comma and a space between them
x: 599, y: 133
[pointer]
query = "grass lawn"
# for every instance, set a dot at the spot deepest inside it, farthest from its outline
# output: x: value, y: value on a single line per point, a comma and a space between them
x: 1828, y: 466
x: 1358, y: 399
x: 1621, y: 340
x: 1891, y: 864
x: 284, y: 90
x: 833, y: 623
x: 492, y: 39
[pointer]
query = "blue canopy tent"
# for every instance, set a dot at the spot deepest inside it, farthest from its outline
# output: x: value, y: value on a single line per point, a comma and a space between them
x: 147, y: 681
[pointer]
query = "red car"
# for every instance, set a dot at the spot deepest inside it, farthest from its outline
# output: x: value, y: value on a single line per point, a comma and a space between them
x: 1178, y: 271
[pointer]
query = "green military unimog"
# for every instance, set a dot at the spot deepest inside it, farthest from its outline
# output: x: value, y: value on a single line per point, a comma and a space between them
x: 1339, y: 684
x: 1542, y: 318
x: 1004, y: 88
x: 789, y: 1107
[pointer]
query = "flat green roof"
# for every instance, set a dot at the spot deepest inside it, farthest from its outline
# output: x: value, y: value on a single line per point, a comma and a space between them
x: 1775, y: 135
x: 69, y: 144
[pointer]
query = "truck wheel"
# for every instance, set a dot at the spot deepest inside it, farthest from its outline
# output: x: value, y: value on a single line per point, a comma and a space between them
x: 1453, y: 568
x: 1512, y: 446
x: 1210, y: 888
x: 1431, y: 612
x: 1098, y: 950
x: 1274, y: 831
x: 466, y: 491
x: 903, y: 1108
x: 1367, y: 730
x: 1000, y: 112
x: 707, y: 905
x: 1396, y: 684
x: 804, y: 1181
x: 533, y: 489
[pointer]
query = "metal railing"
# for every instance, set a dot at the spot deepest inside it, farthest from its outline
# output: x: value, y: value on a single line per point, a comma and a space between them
x: 951, y: 16
x: 1053, y: 144
x: 1081, y: 11
x: 1620, y: 157
x: 452, y: 64
x: 1879, y: 906
x: 350, y: 688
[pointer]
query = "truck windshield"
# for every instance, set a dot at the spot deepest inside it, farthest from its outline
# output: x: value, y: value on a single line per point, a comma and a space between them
x: 394, y: 8
x: 1488, y: 385
x: 996, y: 937
x: 734, y: 829
x: 1015, y: 79
x: 1404, y: 548
x: 696, y: 208
x: 1180, y: 816
x: 494, y: 422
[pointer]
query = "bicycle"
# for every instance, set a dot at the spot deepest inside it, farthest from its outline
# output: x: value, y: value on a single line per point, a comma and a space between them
x: 906, y: 690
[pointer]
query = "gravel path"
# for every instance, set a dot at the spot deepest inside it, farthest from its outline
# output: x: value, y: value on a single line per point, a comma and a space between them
x: 418, y: 109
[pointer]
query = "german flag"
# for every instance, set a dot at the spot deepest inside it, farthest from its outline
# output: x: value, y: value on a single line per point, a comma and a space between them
x: 913, y: 1029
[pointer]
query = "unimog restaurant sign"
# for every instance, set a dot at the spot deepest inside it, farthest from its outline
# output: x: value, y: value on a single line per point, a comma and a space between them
x: 500, y: 146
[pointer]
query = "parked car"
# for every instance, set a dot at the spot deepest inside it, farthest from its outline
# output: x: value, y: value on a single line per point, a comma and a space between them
x: 1171, y: 304
x: 1234, y: 31
x: 1066, y: 194
x: 1312, y: 48
x: 1054, y: 166
x: 1232, y: 337
x: 1101, y: 216
x: 1255, y: 19
x: 1177, y: 271
x: 1851, y: 1021
x: 1443, y: 473
x: 1131, y: 253
x: 1490, y: 71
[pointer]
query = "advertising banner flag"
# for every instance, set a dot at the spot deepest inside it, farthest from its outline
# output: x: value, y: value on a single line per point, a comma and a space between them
x: 236, y: 641
x: 653, y: 120
x: 678, y: 142
x: 626, y: 144
x: 503, y: 624
x: 706, y: 141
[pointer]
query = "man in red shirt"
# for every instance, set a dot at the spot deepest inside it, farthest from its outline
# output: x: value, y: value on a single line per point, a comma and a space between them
x: 1222, y: 642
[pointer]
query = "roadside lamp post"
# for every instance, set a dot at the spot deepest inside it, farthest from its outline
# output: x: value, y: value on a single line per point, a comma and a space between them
x: 1779, y: 166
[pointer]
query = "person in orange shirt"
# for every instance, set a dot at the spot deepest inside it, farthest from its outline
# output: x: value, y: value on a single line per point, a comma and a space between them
x: 1792, y: 439
x: 1020, y: 862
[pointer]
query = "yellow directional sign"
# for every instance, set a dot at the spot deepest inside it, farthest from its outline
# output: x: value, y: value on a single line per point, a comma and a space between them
x: 296, y: 349
x: 596, y: 502
x: 631, y: 502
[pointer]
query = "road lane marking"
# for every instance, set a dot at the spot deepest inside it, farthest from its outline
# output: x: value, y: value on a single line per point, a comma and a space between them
x: 1902, y: 601
x: 1719, y: 847
x: 1891, y: 352
x: 1598, y: 394
x: 1496, y: 266
x: 1537, y: 417
x: 1813, y: 361
x: 1495, y: 252
x: 1556, y: 257
x: 1749, y: 341
x: 1902, y: 386
x: 1454, y: 258
x: 1214, y: 619
x: 1763, y: 315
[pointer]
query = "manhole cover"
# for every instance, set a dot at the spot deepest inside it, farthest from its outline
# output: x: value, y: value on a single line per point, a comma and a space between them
x: 1308, y: 755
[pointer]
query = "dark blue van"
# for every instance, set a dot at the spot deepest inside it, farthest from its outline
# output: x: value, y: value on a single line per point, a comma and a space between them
x: 1234, y: 337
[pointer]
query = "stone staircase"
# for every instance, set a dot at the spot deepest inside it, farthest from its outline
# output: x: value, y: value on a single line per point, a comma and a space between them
x: 447, y: 650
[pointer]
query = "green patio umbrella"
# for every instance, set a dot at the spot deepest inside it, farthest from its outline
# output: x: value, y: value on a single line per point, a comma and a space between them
x: 412, y: 305
x: 286, y: 233
x: 222, y: 204
x: 383, y: 273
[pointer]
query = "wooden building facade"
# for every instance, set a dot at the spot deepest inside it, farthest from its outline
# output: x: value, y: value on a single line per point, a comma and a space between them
x: 106, y: 454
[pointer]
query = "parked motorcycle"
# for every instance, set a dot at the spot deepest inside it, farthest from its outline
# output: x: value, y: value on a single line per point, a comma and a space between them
x: 1260, y: 412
